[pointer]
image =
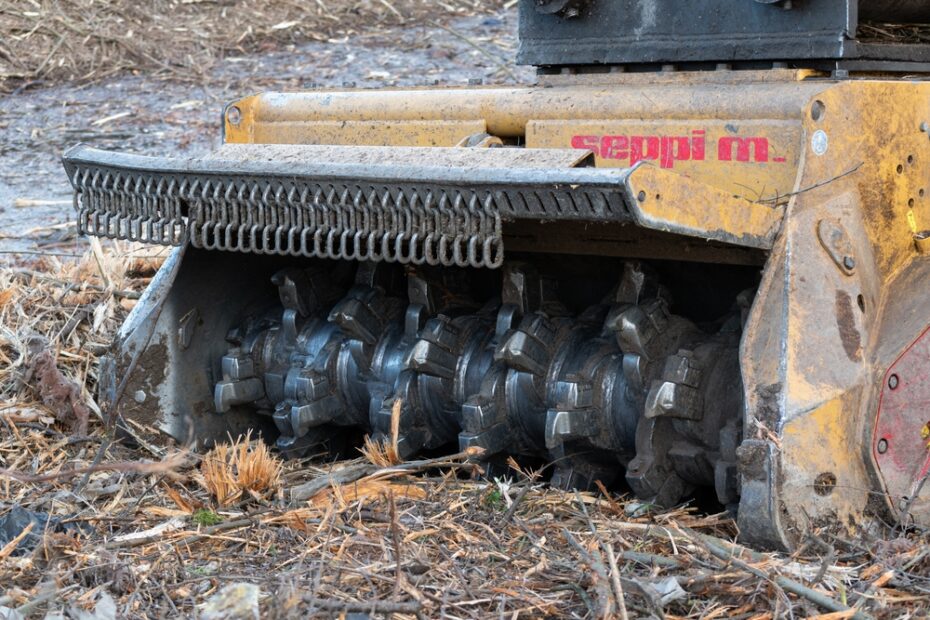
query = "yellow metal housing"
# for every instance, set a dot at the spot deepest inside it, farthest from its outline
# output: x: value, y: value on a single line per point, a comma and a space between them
x: 753, y: 161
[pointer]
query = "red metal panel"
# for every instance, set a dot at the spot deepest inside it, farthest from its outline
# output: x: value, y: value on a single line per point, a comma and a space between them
x: 901, y: 444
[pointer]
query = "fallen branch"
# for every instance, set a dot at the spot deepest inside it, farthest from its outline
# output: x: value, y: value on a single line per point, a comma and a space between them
x: 789, y: 585
x: 607, y: 606
x: 615, y: 581
x: 10, y: 547
x: 777, y: 199
x: 358, y: 471
x: 361, y: 607
x: 187, y: 540
x: 170, y: 463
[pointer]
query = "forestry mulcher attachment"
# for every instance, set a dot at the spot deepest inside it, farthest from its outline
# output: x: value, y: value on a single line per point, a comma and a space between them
x: 693, y: 256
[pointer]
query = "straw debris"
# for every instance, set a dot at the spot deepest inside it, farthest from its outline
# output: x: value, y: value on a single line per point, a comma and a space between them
x: 243, y: 468
x: 45, y: 41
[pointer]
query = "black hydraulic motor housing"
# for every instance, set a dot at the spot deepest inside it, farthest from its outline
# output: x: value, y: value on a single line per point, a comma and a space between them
x: 640, y: 34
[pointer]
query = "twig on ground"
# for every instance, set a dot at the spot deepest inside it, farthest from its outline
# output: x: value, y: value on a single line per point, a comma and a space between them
x: 170, y: 463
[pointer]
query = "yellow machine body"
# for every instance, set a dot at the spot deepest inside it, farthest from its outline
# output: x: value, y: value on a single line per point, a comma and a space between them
x: 829, y: 177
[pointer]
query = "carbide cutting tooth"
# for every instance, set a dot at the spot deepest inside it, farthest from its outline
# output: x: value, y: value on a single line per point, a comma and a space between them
x: 482, y: 423
x: 636, y: 326
x: 236, y: 335
x: 228, y: 394
x: 237, y: 367
x: 573, y: 394
x: 357, y: 319
x: 305, y: 416
x: 674, y: 400
x: 579, y: 475
x: 307, y: 384
x: 408, y: 442
x: 480, y: 427
x: 522, y: 288
x: 478, y: 414
x: 430, y: 358
x: 377, y: 275
x: 638, y: 282
x: 414, y: 431
x: 296, y: 290
x: 634, y: 331
x: 434, y: 354
x: 422, y: 292
x: 442, y: 332
x: 632, y: 283
x: 492, y: 440
x: 664, y: 488
x: 523, y: 352
x: 282, y: 419
x: 564, y: 425
x: 297, y: 447
x: 681, y: 368
x: 290, y: 445
x: 657, y: 310
x: 381, y: 416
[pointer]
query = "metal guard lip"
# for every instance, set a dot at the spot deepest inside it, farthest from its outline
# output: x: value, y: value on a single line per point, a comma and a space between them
x: 478, y: 178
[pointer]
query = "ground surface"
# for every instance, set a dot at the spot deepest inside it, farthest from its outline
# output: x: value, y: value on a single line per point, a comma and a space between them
x: 163, y: 115
x: 153, y: 533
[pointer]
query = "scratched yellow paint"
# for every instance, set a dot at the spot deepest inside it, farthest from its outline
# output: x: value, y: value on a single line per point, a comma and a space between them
x: 681, y: 201
x: 821, y: 442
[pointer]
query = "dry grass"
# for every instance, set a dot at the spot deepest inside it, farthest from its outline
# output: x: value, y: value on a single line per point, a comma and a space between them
x: 895, y: 33
x: 385, y: 453
x: 73, y: 306
x: 244, y: 467
x: 54, y: 40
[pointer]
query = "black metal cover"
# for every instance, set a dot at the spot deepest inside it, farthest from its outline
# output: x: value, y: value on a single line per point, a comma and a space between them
x: 803, y: 32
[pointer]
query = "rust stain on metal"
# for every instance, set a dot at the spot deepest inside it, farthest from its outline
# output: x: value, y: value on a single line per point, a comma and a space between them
x: 846, y: 322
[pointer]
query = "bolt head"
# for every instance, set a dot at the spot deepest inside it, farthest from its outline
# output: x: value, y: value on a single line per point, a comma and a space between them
x: 893, y: 382
x: 882, y: 446
x: 849, y: 262
x: 820, y: 142
x: 234, y: 115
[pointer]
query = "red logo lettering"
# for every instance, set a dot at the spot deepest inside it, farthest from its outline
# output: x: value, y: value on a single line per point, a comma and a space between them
x: 743, y: 149
x: 666, y: 150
